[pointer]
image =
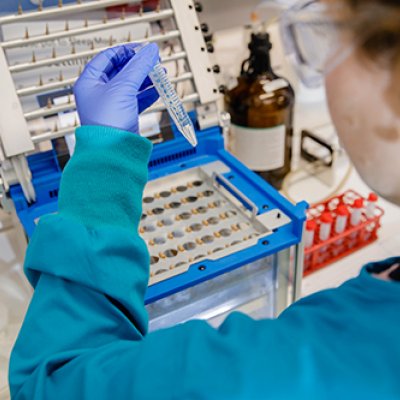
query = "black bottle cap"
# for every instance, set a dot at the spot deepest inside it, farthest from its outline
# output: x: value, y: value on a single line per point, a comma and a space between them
x: 260, y: 42
x: 259, y: 61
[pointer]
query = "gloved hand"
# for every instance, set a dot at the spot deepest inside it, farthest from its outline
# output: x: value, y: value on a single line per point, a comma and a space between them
x: 113, y: 88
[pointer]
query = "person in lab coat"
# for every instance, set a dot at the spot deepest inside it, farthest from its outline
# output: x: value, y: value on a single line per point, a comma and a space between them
x: 85, y: 333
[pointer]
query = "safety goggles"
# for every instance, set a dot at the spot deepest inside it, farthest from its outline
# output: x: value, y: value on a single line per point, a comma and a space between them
x: 311, y: 39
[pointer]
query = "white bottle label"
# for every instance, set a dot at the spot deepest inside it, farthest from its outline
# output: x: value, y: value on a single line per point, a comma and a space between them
x: 260, y: 149
x: 276, y: 84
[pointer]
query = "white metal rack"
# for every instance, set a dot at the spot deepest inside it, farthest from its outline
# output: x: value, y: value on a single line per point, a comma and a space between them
x: 17, y: 138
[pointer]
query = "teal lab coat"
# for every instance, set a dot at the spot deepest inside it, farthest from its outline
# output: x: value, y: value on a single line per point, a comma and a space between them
x: 85, y: 333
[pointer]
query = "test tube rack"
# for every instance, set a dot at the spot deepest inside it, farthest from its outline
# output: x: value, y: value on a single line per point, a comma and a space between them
x: 197, y: 219
x: 361, y: 220
x: 19, y: 135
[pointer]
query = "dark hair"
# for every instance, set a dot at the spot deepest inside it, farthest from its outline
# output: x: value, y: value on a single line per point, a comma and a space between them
x: 376, y: 28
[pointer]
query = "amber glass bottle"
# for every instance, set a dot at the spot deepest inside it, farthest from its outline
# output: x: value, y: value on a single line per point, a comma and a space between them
x: 261, y: 108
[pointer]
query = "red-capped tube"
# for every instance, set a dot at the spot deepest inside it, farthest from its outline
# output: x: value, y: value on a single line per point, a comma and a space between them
x: 325, y: 226
x: 371, y: 205
x: 356, y: 212
x: 309, y: 233
x: 342, y: 215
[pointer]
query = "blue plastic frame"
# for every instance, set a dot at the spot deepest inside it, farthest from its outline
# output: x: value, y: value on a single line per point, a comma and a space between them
x: 46, y: 176
x: 168, y: 158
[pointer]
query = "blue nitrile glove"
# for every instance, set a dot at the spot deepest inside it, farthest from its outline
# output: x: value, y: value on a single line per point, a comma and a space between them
x: 113, y: 88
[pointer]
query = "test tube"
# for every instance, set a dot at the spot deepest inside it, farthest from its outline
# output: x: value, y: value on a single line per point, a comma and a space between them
x: 309, y: 236
x: 355, y: 218
x: 173, y: 103
x: 171, y: 100
x: 371, y: 205
x: 356, y: 212
x: 309, y: 233
x: 342, y: 215
x: 325, y: 226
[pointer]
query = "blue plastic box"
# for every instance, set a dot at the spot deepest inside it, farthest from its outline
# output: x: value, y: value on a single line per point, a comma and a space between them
x: 170, y: 158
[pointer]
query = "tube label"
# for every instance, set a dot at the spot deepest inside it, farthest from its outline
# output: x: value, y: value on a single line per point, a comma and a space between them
x: 260, y: 149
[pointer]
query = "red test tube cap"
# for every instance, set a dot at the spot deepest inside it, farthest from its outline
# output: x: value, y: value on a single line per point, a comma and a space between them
x: 326, y: 217
x: 358, y: 203
x: 342, y: 210
x: 373, y: 197
x: 311, y: 225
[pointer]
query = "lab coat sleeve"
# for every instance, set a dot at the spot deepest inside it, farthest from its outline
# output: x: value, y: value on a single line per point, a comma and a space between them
x: 85, y: 333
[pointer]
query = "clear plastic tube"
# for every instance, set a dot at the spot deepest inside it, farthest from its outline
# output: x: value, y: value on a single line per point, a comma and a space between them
x: 173, y: 103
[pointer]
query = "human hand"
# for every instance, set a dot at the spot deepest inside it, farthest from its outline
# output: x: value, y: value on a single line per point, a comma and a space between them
x: 114, y: 88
